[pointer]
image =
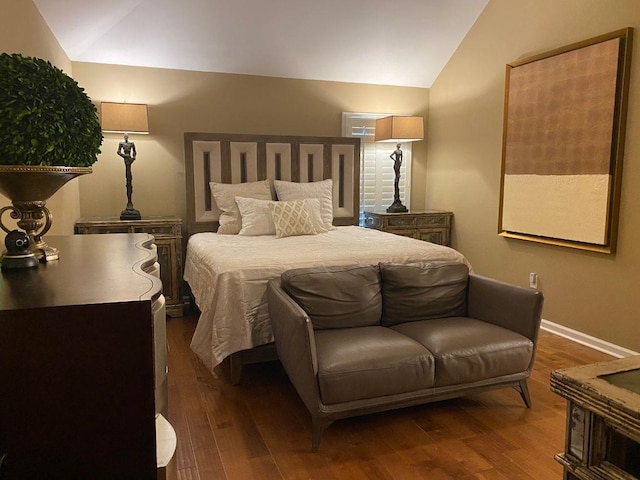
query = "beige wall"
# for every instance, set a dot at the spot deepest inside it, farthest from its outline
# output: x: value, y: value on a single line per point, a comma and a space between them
x: 22, y: 30
x: 596, y: 294
x: 182, y: 101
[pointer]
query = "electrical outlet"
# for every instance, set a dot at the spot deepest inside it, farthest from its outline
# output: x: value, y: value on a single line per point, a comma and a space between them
x: 533, y: 280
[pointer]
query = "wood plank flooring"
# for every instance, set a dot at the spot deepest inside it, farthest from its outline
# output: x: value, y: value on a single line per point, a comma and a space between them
x: 261, y: 429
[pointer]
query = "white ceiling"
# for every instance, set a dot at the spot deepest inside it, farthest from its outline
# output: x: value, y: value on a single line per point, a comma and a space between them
x: 387, y: 42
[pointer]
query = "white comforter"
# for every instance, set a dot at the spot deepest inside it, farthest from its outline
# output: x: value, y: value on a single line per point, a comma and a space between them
x: 228, y: 275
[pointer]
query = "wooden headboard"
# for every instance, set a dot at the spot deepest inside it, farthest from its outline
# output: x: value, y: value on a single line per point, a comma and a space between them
x: 240, y: 158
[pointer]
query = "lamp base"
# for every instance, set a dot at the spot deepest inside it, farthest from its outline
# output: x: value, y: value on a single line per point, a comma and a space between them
x: 130, y: 214
x: 397, y: 207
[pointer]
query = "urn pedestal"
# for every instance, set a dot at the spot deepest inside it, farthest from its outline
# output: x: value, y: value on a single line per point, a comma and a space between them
x: 29, y: 187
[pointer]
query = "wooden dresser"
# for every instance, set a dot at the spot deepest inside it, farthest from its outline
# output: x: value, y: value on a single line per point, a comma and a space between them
x: 83, y: 376
x: 167, y: 232
x: 428, y: 225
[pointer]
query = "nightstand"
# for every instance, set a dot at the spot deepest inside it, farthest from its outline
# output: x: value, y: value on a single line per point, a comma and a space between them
x: 428, y: 225
x: 167, y: 232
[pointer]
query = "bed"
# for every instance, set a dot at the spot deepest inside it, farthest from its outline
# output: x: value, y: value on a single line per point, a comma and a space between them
x: 227, y: 274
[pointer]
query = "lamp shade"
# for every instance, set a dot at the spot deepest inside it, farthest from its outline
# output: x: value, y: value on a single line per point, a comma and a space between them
x: 399, y: 129
x: 124, y: 117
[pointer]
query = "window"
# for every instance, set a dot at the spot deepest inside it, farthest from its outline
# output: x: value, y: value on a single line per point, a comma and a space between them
x: 376, y: 166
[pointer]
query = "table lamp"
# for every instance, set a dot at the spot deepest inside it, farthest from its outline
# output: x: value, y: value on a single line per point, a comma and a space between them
x: 126, y: 118
x: 398, y: 129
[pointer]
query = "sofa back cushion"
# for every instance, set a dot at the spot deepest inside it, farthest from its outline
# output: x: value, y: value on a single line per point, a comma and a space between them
x: 420, y: 291
x: 337, y: 297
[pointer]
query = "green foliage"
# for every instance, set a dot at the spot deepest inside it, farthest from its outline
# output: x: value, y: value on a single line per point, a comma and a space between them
x: 46, y: 118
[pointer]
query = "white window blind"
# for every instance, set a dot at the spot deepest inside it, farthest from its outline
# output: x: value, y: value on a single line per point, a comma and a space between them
x: 376, y: 166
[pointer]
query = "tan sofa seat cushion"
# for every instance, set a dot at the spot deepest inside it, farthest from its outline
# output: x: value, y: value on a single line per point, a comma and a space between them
x: 337, y: 297
x: 469, y: 350
x: 369, y: 362
x: 418, y: 291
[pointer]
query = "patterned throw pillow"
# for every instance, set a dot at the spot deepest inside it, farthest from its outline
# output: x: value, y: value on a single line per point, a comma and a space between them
x: 298, y: 191
x: 291, y: 218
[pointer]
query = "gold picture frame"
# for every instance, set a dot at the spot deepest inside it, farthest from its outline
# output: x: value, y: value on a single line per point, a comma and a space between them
x: 563, y: 144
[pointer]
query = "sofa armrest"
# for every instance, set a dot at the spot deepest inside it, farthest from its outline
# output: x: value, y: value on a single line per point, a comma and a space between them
x: 510, y: 306
x: 295, y: 342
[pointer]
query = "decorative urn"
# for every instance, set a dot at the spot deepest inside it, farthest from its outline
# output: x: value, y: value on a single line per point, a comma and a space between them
x: 49, y: 134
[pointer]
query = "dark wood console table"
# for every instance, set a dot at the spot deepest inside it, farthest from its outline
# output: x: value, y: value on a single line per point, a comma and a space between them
x: 603, y: 420
x: 83, y: 362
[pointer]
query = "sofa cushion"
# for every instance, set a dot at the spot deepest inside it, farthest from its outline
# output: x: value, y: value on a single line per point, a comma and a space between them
x: 337, y: 297
x: 469, y: 350
x: 370, y: 362
x: 419, y: 291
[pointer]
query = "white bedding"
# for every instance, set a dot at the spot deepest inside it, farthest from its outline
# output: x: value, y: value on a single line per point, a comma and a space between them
x: 228, y: 275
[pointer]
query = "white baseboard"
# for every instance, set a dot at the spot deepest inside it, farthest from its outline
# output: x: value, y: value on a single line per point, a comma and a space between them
x: 588, y: 340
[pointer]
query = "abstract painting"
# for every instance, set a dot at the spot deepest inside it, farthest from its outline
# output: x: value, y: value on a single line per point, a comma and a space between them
x: 563, y: 142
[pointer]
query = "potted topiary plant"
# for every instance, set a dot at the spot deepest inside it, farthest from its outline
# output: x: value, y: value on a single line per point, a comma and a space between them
x: 49, y: 134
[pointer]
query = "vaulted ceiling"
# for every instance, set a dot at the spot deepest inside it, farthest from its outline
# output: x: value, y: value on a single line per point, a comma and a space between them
x: 387, y: 42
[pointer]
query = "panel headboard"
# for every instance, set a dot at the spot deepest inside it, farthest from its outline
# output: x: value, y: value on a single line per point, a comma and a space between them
x: 240, y: 158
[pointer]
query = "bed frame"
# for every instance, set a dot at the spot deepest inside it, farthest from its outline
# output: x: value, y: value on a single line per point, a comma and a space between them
x: 240, y: 158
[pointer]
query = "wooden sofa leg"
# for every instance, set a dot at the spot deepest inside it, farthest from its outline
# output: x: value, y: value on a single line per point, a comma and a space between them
x: 318, y: 426
x: 524, y: 393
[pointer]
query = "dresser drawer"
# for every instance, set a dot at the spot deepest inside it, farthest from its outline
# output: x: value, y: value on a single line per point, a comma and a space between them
x: 401, y: 221
x: 403, y: 233
x: 168, y: 230
x: 434, y: 235
x: 157, y: 230
x: 438, y: 219
x: 105, y: 229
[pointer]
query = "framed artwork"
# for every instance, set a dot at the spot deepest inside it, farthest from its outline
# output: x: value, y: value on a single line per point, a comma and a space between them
x: 563, y: 142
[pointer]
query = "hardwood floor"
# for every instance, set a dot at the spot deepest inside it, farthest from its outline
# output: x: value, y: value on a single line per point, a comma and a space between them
x: 261, y: 429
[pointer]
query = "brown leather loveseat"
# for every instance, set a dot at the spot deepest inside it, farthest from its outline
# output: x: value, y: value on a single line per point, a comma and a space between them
x: 366, y: 338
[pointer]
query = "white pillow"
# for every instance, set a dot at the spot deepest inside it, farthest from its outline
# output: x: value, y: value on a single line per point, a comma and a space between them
x: 256, y: 217
x: 291, y: 218
x: 314, y: 207
x: 225, y: 196
x: 299, y: 191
